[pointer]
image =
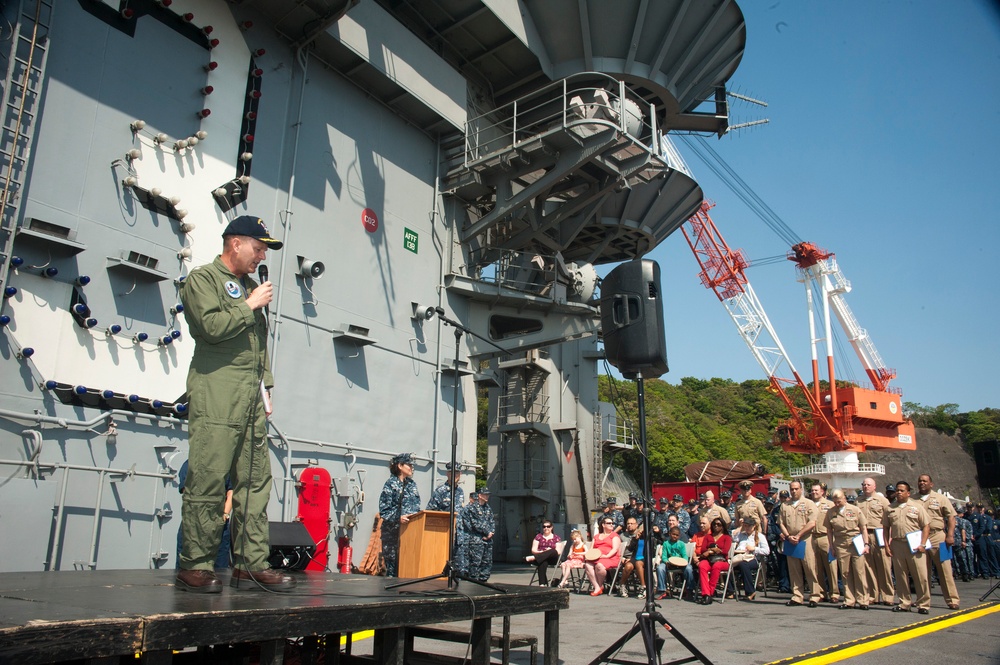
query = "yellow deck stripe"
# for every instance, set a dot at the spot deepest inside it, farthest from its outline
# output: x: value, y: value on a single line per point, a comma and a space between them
x: 355, y: 637
x: 868, y: 644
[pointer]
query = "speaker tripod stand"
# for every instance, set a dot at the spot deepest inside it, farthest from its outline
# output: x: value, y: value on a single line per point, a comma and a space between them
x: 649, y: 617
x: 989, y: 593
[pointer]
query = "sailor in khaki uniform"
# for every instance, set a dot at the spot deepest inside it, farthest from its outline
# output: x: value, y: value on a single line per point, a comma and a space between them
x: 874, y: 506
x: 826, y: 570
x: 713, y: 510
x: 797, y: 518
x: 749, y: 506
x: 906, y: 515
x: 844, y: 523
x: 942, y: 516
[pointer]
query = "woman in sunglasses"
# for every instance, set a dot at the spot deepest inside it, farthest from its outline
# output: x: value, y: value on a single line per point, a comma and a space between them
x: 609, y: 547
x: 544, y: 552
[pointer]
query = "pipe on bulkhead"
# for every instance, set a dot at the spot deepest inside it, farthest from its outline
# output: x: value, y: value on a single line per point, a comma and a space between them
x: 302, y: 58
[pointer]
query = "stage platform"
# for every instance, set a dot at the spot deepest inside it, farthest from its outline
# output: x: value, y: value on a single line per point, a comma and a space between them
x: 48, y: 617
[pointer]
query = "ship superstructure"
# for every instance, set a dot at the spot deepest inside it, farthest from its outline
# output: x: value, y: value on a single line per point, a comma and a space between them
x: 482, y: 156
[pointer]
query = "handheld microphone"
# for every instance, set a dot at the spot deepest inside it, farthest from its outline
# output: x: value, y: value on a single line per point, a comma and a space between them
x: 262, y: 276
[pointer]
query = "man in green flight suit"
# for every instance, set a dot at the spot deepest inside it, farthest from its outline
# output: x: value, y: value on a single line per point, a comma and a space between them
x: 229, y: 399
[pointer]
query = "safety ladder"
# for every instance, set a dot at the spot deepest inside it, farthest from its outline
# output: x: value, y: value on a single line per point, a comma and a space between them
x: 21, y: 104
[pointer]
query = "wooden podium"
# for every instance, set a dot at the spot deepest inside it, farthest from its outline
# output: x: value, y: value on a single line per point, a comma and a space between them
x: 423, y: 544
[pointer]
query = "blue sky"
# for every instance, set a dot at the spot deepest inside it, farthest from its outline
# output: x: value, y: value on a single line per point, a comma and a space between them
x: 882, y: 147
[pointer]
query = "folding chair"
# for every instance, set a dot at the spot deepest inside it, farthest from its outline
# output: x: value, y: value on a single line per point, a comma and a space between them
x: 561, y: 550
x: 577, y: 578
x: 612, y: 573
x: 675, y: 581
x: 690, y: 558
x: 761, y: 580
x: 758, y: 576
x: 729, y: 575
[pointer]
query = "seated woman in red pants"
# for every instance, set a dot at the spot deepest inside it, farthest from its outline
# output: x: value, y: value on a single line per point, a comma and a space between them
x: 714, y: 559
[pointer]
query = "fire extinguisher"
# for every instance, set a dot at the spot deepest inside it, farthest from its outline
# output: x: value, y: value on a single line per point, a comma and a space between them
x: 344, y: 554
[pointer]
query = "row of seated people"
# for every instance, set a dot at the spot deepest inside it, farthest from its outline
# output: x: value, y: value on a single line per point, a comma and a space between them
x: 611, y: 561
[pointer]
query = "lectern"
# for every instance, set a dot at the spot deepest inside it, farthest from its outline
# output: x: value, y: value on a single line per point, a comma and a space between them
x: 423, y: 544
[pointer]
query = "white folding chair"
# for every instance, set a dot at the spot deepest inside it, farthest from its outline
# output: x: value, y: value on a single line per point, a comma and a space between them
x: 729, y: 573
x: 690, y: 558
x: 761, y: 574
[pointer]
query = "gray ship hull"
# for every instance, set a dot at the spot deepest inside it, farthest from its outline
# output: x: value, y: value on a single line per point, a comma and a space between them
x: 479, y: 161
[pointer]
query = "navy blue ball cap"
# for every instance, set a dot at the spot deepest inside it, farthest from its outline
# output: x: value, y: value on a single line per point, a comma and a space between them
x: 402, y: 458
x: 253, y: 227
x: 452, y: 467
x: 484, y: 490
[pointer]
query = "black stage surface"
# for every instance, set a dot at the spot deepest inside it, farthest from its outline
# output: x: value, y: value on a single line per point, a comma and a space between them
x: 48, y: 617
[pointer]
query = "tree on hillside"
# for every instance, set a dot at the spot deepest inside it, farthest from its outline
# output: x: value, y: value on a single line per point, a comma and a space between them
x: 940, y: 418
x: 978, y: 426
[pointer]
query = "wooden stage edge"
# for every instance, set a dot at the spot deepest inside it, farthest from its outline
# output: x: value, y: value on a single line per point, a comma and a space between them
x: 48, y: 617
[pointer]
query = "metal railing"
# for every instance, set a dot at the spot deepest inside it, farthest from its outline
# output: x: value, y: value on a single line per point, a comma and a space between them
x: 589, y: 98
x: 523, y: 473
x: 514, y: 270
x: 523, y: 406
x: 867, y: 468
x: 617, y: 432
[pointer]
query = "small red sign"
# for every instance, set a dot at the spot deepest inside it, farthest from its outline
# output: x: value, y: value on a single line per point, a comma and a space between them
x: 369, y: 220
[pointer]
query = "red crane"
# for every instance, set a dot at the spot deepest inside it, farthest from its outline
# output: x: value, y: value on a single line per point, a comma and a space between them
x: 834, y: 419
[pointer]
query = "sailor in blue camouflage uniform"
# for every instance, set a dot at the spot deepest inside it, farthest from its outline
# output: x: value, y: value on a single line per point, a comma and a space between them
x: 683, y: 516
x: 461, y: 538
x: 774, y: 534
x: 398, y: 502
x: 611, y: 510
x: 726, y: 499
x: 659, y: 520
x: 479, y: 525
x: 970, y: 551
x: 694, y: 519
x: 960, y: 552
x: 441, y: 496
x: 441, y: 500
x: 629, y: 510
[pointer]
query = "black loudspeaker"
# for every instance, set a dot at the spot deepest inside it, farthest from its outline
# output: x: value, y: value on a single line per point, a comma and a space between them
x: 292, y: 548
x: 987, y: 454
x: 632, y: 319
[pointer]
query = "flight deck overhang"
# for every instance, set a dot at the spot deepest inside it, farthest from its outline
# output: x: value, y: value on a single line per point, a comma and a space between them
x: 678, y: 53
x: 369, y: 47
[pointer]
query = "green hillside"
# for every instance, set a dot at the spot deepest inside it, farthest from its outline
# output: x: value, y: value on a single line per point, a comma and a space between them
x: 699, y: 420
